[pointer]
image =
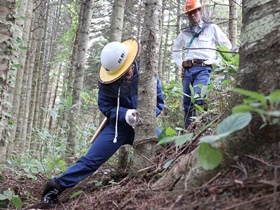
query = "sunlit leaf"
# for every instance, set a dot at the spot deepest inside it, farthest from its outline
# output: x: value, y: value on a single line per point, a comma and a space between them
x: 225, y: 55
x: 234, y: 122
x: 212, y: 138
x: 260, y: 97
x: 273, y: 113
x: 242, y: 108
x: 274, y: 96
x: 17, y: 202
x: 2, y: 197
x: 180, y: 140
x: 209, y: 157
x: 53, y: 114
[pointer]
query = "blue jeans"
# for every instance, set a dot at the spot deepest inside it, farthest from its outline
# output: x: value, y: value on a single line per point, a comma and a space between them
x: 100, y: 151
x: 194, y: 76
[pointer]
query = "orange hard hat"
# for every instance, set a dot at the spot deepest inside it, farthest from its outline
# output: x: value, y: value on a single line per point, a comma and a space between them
x: 192, y: 5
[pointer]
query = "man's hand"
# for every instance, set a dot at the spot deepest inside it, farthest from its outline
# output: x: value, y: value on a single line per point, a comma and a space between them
x: 131, y: 117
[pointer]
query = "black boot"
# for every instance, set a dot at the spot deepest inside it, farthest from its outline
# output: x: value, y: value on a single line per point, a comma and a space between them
x: 188, y: 118
x: 51, y: 191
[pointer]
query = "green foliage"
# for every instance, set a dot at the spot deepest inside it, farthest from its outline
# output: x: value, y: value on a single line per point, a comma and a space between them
x: 88, y: 99
x: 55, y: 164
x: 10, y: 196
x: 173, y: 92
x: 75, y: 194
x: 229, y: 125
x: 230, y: 62
x: 167, y: 136
x: 207, y: 145
x: 209, y: 157
x: 31, y: 167
x: 268, y: 107
x: 67, y: 103
x: 67, y: 40
x: 64, y: 106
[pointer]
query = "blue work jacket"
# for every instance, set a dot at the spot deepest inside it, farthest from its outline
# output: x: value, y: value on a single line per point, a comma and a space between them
x: 126, y: 92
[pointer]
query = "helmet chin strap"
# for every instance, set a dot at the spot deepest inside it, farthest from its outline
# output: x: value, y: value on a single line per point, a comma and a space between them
x: 117, y: 117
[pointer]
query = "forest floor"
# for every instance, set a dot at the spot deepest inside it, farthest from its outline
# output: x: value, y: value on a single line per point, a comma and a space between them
x: 253, y: 183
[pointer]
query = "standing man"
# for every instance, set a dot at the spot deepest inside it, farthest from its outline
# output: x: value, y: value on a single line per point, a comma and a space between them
x: 117, y: 100
x: 201, y: 37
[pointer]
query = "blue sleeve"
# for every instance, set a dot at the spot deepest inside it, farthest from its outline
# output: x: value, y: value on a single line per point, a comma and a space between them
x: 160, y: 100
x: 108, y: 106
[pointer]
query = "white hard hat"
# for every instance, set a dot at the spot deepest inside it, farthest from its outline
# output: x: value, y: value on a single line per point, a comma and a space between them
x: 116, y: 59
x: 113, y: 56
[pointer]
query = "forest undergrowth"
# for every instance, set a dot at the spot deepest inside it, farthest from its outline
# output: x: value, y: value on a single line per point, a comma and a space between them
x: 251, y: 183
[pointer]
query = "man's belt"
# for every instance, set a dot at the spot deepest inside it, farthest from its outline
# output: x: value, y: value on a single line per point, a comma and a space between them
x: 193, y: 62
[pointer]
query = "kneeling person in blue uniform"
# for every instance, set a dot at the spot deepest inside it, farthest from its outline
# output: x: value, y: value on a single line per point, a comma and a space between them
x: 117, y: 100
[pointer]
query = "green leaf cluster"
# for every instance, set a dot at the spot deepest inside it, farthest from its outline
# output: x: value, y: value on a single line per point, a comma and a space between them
x: 268, y: 107
x: 168, y: 135
x: 230, y: 61
x: 210, y: 157
x: 10, y: 196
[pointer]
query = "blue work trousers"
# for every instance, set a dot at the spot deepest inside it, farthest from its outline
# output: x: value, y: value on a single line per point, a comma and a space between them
x: 99, y: 152
x: 194, y: 76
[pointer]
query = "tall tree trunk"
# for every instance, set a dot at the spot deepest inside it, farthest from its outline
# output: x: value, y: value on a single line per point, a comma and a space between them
x: 45, y: 68
x: 177, y: 69
x: 164, y: 58
x: 233, y: 22
x: 145, y: 133
x: 69, y: 79
x: 7, y: 55
x: 83, y: 37
x: 57, y: 18
x: 117, y: 20
x: 20, y: 72
x: 30, y: 82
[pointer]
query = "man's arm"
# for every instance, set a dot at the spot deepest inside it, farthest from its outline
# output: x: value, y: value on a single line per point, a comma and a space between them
x: 108, y: 106
x: 221, y: 38
x: 177, y: 49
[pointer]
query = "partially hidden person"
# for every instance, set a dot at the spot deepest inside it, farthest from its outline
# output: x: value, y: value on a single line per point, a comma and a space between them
x: 194, y: 52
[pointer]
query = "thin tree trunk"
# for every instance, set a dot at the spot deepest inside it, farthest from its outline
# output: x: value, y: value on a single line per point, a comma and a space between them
x: 117, y: 20
x: 30, y: 74
x: 20, y: 72
x: 45, y: 64
x: 83, y: 37
x: 233, y: 22
x: 145, y: 133
x: 177, y: 69
x: 7, y: 25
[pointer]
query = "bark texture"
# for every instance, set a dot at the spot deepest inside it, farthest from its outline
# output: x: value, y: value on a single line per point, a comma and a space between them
x: 83, y: 37
x: 145, y: 137
x: 7, y: 59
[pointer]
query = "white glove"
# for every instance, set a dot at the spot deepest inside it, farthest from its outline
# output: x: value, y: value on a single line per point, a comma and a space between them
x: 131, y: 117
